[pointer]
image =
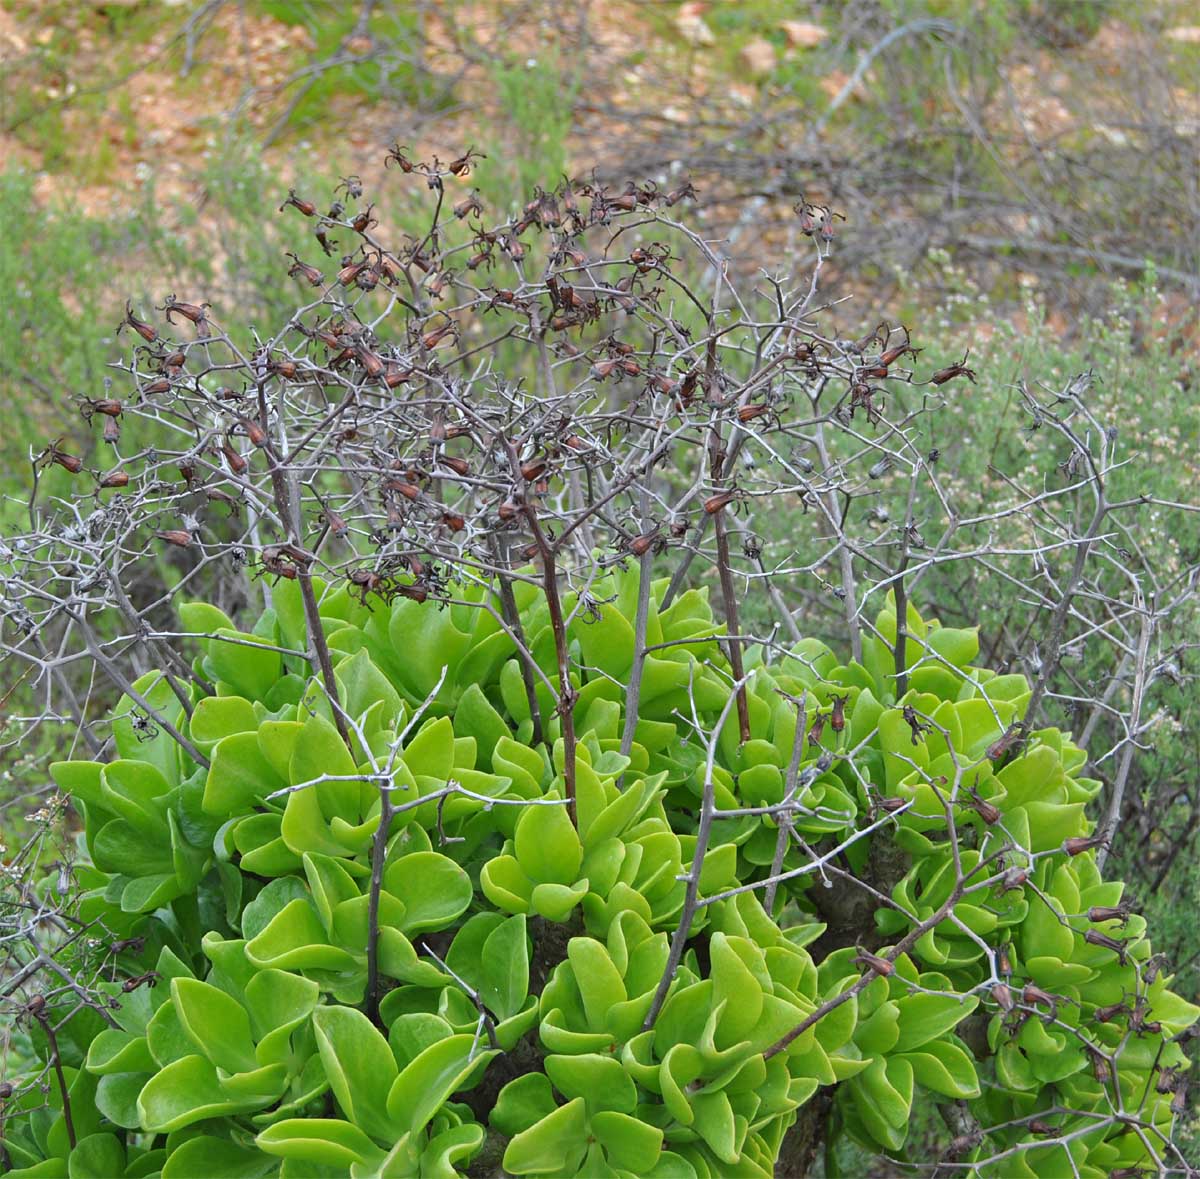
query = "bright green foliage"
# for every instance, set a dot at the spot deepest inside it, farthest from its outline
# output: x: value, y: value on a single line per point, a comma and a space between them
x: 520, y: 955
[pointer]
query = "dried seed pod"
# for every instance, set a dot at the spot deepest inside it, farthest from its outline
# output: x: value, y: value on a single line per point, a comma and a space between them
x: 508, y: 512
x: 715, y: 503
x: 179, y: 537
x: 533, y: 470
x: 955, y: 370
x: 112, y: 430
x: 147, y: 331
x: 1095, y: 938
x: 117, y: 478
x: 453, y: 521
x: 160, y: 385
x: 457, y: 465
x: 874, y: 963
x: 303, y: 270
x: 1011, y: 740
x: 816, y: 729
x: 395, y: 375
x: 837, y: 716
x: 305, y: 207
x: 1002, y: 993
x: 747, y: 413
x: 468, y: 206
x: 1079, y: 844
x: 237, y: 464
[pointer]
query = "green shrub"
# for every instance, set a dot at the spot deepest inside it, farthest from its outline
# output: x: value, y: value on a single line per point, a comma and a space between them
x: 510, y: 1007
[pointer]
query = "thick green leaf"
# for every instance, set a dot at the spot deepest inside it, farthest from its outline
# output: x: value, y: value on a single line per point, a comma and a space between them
x: 431, y: 1079
x: 360, y: 1067
x: 553, y: 1146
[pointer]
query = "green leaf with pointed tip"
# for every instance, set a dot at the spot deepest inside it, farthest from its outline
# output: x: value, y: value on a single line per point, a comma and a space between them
x: 187, y: 1091
x: 553, y: 1146
x: 239, y: 775
x: 630, y: 1143
x: 475, y: 717
x: 943, y: 1067
x: 925, y: 1017
x: 216, y: 1158
x: 327, y: 1142
x: 522, y: 1103
x: 216, y: 1023
x: 597, y: 978
x: 596, y: 1077
x: 245, y: 663
x: 360, y: 1067
x: 556, y: 902
x: 434, y: 889
x: 295, y: 940
x: 432, y: 1079
x: 215, y: 717
x: 505, y: 965
x: 98, y: 1156
x: 363, y: 685
x: 547, y: 845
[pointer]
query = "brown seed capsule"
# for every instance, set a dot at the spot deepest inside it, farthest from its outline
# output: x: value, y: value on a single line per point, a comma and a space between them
x: 190, y: 311
x: 303, y: 270
x: 457, y: 465
x: 533, y: 470
x: 115, y: 479
x: 283, y: 368
x: 112, y: 430
x: 468, y: 206
x: 1003, y: 996
x: 816, y: 729
x: 837, y: 715
x: 434, y: 338
x: 507, y: 512
x: 187, y: 471
x: 457, y: 430
x: 639, y: 546
x: 148, y: 332
x: 351, y: 271
x: 1100, y: 1068
x: 987, y: 811
x: 1095, y: 938
x: 1034, y: 995
x: 1044, y: 1129
x: 373, y: 366
x: 237, y: 464
x: 715, y: 503
x: 305, y: 207
x: 602, y: 369
x: 955, y: 370
x: 161, y: 385
x: 1010, y: 741
x: 891, y: 805
x: 1109, y: 913
x: 107, y: 406
x: 255, y: 432
x: 747, y: 413
x: 68, y: 462
x: 395, y: 375
x: 874, y: 963
x: 453, y: 521
x: 1079, y: 844
x: 176, y: 536
x: 6, y: 1090
x: 363, y: 221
